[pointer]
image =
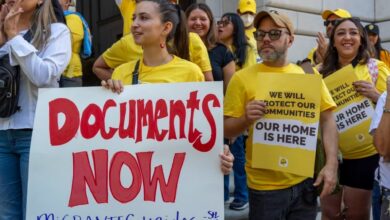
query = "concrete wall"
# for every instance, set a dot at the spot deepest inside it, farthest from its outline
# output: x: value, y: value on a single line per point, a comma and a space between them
x: 306, y: 16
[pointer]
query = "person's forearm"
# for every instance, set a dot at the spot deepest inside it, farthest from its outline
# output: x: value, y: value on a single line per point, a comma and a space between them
x: 234, y: 126
x: 381, y: 136
x: 329, y: 137
x: 102, y: 73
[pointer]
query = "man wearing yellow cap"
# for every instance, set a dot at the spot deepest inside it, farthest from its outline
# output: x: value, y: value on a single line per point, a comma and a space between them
x: 247, y: 11
x: 275, y: 194
x: 316, y: 55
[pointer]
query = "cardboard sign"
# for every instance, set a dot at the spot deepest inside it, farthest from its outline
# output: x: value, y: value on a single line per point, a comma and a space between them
x: 354, y: 111
x: 151, y: 152
x: 285, y: 138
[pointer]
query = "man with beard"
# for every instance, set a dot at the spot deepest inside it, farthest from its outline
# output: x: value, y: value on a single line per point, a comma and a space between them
x: 275, y: 194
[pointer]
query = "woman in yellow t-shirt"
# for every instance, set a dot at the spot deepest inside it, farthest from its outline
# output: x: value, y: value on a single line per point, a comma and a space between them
x: 231, y: 32
x: 126, y: 49
x: 349, y: 45
x: 155, y: 23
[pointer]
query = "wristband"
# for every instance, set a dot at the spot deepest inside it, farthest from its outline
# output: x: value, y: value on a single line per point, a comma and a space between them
x: 386, y: 110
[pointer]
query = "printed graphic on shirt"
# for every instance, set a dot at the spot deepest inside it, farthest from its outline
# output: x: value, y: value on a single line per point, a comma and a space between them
x: 354, y: 111
x: 285, y: 138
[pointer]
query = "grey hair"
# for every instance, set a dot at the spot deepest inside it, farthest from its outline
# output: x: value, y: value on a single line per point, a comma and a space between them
x: 40, y: 25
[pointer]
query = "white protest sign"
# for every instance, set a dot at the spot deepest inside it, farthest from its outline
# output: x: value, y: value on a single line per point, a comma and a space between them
x: 151, y: 152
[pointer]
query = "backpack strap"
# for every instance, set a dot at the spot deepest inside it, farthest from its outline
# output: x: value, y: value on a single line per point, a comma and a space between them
x: 135, y: 73
x: 306, y: 66
x: 372, y: 66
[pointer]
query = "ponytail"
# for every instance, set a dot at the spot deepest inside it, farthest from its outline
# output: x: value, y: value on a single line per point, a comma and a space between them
x: 179, y: 33
x: 180, y: 40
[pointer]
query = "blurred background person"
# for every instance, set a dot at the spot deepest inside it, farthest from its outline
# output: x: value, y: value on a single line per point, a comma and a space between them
x: 373, y: 35
x: 81, y: 46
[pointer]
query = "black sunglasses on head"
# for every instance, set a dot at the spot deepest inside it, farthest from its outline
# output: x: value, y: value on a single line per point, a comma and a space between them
x: 335, y: 22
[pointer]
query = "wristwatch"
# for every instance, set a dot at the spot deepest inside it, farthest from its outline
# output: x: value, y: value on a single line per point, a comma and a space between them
x: 386, y: 110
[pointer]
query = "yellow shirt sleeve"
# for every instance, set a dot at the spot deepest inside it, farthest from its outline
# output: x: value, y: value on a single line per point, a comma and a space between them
x: 122, y: 51
x: 385, y: 57
x: 198, y: 52
x: 123, y: 73
x: 363, y: 73
x: 310, y: 56
x: 383, y: 72
x: 75, y: 25
x: 235, y: 97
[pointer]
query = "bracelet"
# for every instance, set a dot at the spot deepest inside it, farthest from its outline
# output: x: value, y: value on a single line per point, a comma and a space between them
x: 386, y: 110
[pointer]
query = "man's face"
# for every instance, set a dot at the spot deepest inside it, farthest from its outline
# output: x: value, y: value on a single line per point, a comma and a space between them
x: 274, y: 48
x: 330, y: 26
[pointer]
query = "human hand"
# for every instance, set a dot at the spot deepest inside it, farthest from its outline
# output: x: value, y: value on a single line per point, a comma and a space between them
x: 11, y: 20
x: 367, y: 89
x: 227, y: 159
x: 114, y: 85
x: 254, y: 110
x: 322, y: 46
x: 327, y: 175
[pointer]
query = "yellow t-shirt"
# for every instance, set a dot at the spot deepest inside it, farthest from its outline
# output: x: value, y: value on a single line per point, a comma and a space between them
x: 252, y: 42
x: 126, y: 50
x: 310, y: 56
x: 363, y: 74
x: 250, y: 59
x: 385, y: 57
x: 127, y: 8
x: 75, y: 25
x: 242, y: 89
x: 177, y: 70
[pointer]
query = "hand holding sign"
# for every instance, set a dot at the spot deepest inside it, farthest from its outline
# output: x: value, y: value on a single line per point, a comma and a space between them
x: 227, y: 159
x: 254, y: 111
x: 367, y: 89
x: 114, y: 85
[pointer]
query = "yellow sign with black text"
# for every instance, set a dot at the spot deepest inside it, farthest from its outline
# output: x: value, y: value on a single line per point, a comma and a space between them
x: 353, y: 113
x: 285, y: 138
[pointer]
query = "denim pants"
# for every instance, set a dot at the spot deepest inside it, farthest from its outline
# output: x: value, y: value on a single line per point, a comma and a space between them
x: 14, y: 156
x: 297, y: 202
x: 240, y: 186
x: 376, y: 201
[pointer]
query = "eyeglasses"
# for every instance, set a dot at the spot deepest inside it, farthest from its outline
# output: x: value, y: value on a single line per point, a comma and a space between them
x: 223, y: 23
x: 273, y: 34
x: 333, y: 22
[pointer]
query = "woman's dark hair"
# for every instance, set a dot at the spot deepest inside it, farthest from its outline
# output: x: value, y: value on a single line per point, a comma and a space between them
x: 58, y: 11
x: 210, y: 36
x: 240, y: 42
x: 378, y: 48
x: 172, y: 13
x: 331, y: 61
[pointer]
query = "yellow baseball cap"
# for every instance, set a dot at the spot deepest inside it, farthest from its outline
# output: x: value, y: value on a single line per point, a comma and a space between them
x: 280, y: 19
x: 246, y: 6
x: 342, y: 13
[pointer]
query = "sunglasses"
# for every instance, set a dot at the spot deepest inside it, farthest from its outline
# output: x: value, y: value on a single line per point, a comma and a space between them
x: 223, y: 23
x: 273, y: 34
x: 335, y: 22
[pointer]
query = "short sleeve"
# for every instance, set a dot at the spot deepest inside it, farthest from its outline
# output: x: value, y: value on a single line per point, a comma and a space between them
x: 198, y: 53
x: 376, y: 118
x: 235, y: 98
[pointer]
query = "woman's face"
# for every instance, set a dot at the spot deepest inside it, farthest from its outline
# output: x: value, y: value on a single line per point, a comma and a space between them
x: 26, y: 5
x: 147, y: 28
x: 225, y: 29
x: 198, y: 22
x: 373, y: 38
x: 347, y: 39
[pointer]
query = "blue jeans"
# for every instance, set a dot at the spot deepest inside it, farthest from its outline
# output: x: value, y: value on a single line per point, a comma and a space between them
x: 240, y: 186
x: 297, y: 202
x: 376, y: 201
x: 14, y: 155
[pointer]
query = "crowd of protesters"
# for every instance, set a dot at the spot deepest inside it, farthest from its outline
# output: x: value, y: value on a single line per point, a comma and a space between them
x: 164, y: 44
